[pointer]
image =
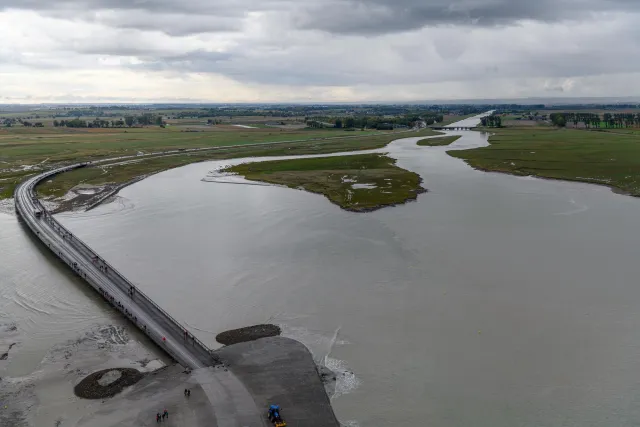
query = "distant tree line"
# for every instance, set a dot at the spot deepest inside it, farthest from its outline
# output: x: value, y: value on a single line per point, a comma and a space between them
x: 129, y: 121
x: 592, y: 120
x: 368, y: 122
x: 30, y: 124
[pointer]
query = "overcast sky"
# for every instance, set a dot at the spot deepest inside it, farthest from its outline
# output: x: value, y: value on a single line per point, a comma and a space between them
x: 321, y: 50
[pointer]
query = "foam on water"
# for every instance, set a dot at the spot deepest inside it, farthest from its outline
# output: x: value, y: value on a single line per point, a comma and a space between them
x: 346, y: 380
x: 321, y: 345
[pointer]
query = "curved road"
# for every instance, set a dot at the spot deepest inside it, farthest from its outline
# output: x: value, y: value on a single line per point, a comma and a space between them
x: 165, y: 331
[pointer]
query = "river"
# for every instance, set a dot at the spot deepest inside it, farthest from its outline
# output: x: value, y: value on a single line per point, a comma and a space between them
x: 492, y: 300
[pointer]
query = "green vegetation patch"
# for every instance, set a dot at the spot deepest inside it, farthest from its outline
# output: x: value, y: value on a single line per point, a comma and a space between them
x: 435, y: 142
x: 358, y: 183
x: 576, y: 155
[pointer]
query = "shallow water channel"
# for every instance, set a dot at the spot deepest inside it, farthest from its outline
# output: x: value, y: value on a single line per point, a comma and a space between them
x: 492, y: 300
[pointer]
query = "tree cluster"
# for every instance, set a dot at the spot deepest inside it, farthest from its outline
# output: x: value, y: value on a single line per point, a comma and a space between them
x: 492, y: 121
x: 30, y: 124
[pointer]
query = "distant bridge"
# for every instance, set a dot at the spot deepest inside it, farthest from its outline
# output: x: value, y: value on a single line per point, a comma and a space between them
x: 453, y: 127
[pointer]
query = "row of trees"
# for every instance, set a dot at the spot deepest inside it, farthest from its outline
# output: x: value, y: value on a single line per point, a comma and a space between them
x: 142, y: 120
x: 591, y: 120
x: 368, y: 122
x: 492, y: 121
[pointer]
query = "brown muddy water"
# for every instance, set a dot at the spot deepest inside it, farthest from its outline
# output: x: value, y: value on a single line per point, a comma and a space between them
x: 492, y: 300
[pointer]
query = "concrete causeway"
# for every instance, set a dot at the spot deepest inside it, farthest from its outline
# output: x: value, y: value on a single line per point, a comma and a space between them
x: 158, y: 325
x: 236, y: 383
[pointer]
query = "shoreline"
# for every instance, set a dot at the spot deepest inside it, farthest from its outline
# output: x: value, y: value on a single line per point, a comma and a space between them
x: 613, y: 188
x: 418, y: 192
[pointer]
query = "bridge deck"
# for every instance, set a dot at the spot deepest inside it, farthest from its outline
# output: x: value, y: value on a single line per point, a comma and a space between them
x: 163, y: 329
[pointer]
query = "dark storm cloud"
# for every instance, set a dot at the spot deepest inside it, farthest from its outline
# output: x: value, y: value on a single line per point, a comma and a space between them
x: 385, y: 16
x: 335, y: 16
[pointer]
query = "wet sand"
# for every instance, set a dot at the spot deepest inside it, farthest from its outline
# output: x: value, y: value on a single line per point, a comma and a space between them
x: 272, y: 369
x: 45, y: 397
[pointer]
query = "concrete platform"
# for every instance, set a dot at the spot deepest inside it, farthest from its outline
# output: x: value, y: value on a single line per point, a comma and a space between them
x: 282, y: 371
x: 270, y: 370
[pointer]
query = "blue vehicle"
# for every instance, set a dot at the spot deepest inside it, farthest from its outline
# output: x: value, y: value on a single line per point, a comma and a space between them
x: 275, y: 416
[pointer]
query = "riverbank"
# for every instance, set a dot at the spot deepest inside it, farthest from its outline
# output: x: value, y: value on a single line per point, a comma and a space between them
x: 600, y: 158
x: 357, y: 183
x: 104, y: 178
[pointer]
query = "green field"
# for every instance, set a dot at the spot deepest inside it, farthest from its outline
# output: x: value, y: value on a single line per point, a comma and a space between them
x: 334, y: 141
x: 436, y: 142
x: 335, y: 178
x: 606, y: 158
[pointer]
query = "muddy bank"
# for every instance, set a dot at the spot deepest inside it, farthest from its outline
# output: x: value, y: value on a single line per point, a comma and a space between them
x: 86, y: 196
x: 5, y: 355
x: 249, y: 333
x: 45, y: 397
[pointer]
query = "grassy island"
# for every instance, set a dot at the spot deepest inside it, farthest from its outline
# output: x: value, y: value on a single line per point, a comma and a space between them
x: 358, y: 183
x: 440, y: 141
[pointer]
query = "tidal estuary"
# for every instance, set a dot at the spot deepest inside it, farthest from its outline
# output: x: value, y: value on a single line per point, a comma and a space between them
x: 492, y: 300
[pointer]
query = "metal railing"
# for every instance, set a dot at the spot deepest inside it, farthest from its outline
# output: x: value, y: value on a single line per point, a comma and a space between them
x: 110, y: 270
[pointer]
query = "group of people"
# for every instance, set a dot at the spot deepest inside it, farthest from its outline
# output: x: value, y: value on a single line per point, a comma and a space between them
x: 97, y: 260
x: 160, y: 416
x: 164, y: 415
x: 117, y: 304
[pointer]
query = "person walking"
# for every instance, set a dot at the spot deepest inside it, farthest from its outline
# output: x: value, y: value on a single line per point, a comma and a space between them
x: 158, y: 417
x: 165, y: 414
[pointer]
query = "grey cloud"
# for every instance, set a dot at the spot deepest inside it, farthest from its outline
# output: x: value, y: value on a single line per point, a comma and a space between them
x: 335, y: 16
x: 173, y: 17
x: 171, y: 24
x: 192, y: 7
x: 384, y: 16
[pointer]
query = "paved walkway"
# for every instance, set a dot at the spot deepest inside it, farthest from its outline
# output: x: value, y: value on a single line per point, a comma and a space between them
x: 115, y: 288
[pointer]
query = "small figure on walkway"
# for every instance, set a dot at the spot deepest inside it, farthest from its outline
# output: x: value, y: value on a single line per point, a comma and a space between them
x: 165, y: 414
x: 188, y: 392
x: 164, y: 340
x: 185, y: 391
x: 158, y: 417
